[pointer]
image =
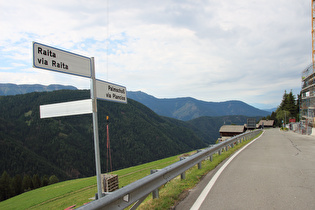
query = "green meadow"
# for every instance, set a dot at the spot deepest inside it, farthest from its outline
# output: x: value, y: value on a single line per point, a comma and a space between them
x: 80, y: 191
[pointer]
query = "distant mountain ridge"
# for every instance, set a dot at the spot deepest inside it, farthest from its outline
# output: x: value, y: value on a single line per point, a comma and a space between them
x: 13, y: 89
x: 270, y: 110
x: 185, y: 108
x: 189, y: 108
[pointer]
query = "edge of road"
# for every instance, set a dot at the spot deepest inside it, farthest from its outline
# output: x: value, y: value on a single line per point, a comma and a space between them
x: 199, y: 192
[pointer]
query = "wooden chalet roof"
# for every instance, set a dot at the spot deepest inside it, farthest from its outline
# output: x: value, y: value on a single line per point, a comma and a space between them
x: 232, y: 129
x: 267, y: 122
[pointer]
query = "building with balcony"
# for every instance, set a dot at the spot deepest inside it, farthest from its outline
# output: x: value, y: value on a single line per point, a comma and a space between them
x: 307, y: 103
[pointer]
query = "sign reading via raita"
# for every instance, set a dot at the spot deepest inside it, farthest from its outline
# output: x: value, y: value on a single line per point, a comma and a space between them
x: 50, y: 58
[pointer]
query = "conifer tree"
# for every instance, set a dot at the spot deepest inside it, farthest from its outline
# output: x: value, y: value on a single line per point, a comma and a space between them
x: 36, y: 181
x: 17, y: 184
x: 5, y: 186
x: 45, y: 181
x: 27, y: 183
x: 288, y: 108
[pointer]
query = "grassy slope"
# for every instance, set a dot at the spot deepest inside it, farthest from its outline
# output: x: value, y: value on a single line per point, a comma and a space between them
x: 78, y: 191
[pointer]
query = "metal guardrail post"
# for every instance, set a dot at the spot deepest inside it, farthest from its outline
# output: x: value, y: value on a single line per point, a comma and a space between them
x: 155, y: 193
x: 211, y: 158
x: 199, y: 164
x: 182, y: 175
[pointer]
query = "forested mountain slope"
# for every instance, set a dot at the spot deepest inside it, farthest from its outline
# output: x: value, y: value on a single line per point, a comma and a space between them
x: 64, y: 146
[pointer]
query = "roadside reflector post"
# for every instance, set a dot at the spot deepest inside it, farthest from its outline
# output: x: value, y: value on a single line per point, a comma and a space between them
x: 155, y: 193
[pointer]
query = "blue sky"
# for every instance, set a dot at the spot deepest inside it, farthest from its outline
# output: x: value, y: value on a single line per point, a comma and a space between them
x: 211, y: 50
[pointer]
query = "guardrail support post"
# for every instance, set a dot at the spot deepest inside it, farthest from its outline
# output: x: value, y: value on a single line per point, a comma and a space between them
x: 155, y: 193
x: 220, y: 150
x: 211, y: 158
x: 199, y: 164
x: 182, y: 175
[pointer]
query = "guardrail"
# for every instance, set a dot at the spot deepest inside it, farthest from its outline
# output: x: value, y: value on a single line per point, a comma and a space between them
x: 137, y: 191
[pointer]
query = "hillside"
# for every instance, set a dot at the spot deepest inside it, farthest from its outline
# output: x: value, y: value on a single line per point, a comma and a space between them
x: 64, y: 146
x: 190, y: 108
x: 207, y: 128
x: 13, y: 89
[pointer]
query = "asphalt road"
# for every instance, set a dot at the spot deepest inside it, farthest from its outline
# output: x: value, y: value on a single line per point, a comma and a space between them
x: 276, y: 171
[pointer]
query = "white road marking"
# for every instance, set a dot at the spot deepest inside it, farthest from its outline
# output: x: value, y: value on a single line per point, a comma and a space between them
x: 207, y: 189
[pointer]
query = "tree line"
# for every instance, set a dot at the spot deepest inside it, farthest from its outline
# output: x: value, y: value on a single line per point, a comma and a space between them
x: 288, y: 109
x: 12, y: 186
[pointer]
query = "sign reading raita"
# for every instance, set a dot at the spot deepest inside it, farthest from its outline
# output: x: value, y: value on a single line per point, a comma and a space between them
x: 54, y: 59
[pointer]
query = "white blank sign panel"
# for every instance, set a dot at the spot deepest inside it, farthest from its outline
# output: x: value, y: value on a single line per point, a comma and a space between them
x: 66, y: 108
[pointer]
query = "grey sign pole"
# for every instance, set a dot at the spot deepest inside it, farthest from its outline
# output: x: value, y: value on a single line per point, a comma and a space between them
x: 95, y: 129
x: 50, y: 58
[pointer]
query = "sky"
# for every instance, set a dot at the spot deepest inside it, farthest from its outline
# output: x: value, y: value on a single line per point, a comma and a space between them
x: 211, y: 50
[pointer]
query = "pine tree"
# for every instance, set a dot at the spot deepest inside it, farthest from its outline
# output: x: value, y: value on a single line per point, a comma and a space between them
x: 17, y: 184
x: 288, y: 107
x: 5, y: 186
x: 45, y: 181
x: 36, y: 181
x: 27, y: 183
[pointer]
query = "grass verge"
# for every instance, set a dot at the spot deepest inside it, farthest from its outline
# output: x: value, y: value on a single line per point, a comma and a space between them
x: 175, y: 190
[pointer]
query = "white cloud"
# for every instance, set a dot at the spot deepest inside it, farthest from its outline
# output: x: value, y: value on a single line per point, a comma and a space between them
x: 211, y: 50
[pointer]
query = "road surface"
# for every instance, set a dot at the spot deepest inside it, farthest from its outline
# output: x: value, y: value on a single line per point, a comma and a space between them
x: 277, y: 171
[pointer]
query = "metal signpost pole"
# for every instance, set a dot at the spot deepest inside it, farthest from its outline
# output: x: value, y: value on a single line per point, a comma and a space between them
x: 95, y: 129
x: 53, y: 59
